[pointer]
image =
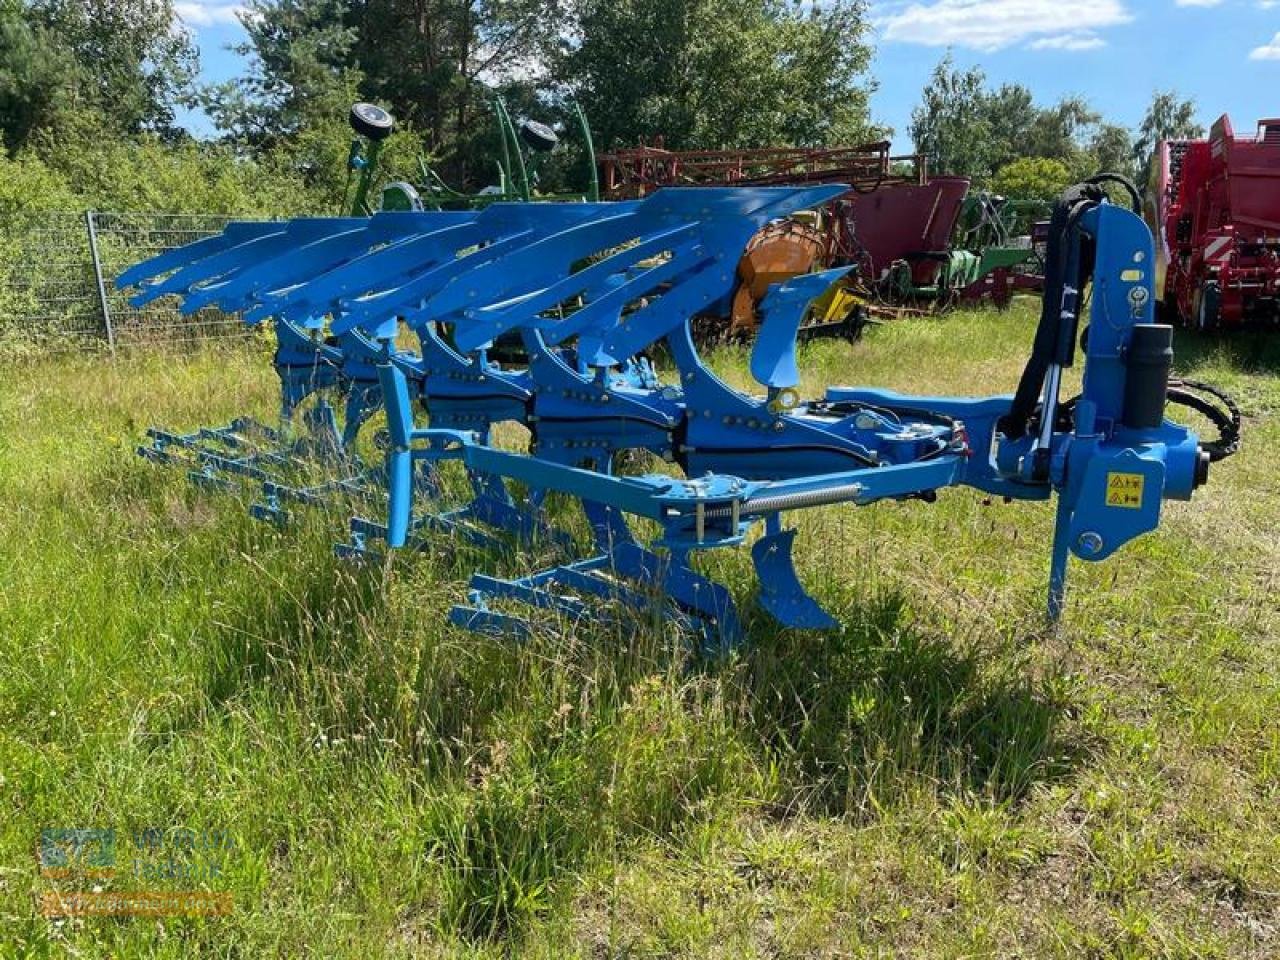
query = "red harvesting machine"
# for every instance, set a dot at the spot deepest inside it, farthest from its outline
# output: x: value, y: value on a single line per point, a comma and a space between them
x: 1214, y: 208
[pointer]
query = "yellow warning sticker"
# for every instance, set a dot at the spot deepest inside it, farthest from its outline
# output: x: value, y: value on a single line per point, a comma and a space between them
x: 1125, y: 490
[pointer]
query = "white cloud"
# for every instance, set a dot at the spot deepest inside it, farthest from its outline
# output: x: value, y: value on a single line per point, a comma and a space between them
x: 1197, y: 3
x: 1268, y: 51
x: 994, y: 24
x: 198, y: 14
x: 1268, y: 4
x: 1069, y: 41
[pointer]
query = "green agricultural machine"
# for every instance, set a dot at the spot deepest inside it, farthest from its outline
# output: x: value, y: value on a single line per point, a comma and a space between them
x: 372, y: 125
x: 523, y: 147
x: 986, y: 258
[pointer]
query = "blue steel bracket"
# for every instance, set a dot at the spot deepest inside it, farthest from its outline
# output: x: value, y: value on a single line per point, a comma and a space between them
x: 1110, y: 476
x: 773, y: 359
x: 1116, y: 498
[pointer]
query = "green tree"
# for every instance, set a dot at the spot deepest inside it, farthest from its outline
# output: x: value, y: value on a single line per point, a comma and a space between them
x: 137, y: 63
x: 36, y: 77
x: 289, y: 111
x: 1010, y: 113
x: 435, y: 61
x: 953, y: 128
x: 301, y: 69
x: 1032, y: 178
x: 1061, y: 132
x: 439, y: 63
x: 721, y: 73
x: 964, y: 128
x: 1168, y: 117
x: 1111, y: 150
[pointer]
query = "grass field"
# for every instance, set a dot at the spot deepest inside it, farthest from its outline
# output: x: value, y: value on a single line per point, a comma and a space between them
x: 943, y: 777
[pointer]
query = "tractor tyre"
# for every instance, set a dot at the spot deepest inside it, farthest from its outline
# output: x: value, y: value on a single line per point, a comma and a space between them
x: 1208, y: 307
x: 371, y: 121
x: 1165, y: 313
x: 856, y: 323
x: 538, y: 136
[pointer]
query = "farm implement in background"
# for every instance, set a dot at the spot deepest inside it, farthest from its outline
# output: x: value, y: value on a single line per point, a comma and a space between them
x: 372, y: 125
x: 1214, y: 207
x: 810, y: 240
x: 601, y: 297
x: 637, y: 172
x: 917, y: 241
x: 521, y: 145
x: 984, y: 257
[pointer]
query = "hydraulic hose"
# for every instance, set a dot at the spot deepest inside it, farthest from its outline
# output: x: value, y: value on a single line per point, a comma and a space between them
x: 1134, y: 197
x: 1218, y: 408
x: 1224, y: 414
x: 1048, y: 347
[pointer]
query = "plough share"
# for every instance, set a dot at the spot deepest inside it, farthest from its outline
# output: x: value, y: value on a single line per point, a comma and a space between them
x: 601, y: 295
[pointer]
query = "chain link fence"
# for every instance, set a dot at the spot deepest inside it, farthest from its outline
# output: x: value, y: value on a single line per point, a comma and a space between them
x: 57, y: 281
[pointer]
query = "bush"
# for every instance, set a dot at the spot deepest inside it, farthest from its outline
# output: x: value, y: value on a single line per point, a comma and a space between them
x: 189, y: 177
x: 1032, y: 178
x: 27, y: 183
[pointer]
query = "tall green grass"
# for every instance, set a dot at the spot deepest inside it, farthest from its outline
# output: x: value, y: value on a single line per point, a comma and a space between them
x: 943, y: 776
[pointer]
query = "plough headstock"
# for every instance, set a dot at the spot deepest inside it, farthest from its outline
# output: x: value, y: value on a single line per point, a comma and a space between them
x: 589, y: 293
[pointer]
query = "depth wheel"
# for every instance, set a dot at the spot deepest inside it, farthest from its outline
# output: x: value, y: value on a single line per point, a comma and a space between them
x: 370, y: 120
x: 538, y: 136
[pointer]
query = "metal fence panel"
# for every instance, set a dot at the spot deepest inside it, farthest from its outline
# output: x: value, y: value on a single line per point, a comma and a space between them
x: 57, y: 273
x: 47, y: 287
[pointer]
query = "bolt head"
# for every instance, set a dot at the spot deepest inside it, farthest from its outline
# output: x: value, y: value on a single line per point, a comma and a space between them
x: 1090, y: 543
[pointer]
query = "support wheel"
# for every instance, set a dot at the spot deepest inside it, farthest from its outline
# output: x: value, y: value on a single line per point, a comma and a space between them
x: 370, y: 120
x: 538, y: 136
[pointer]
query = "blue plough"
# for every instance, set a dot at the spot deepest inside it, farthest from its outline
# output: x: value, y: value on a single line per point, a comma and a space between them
x: 598, y: 297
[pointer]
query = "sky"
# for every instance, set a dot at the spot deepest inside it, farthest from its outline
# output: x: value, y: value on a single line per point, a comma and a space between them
x: 1115, y: 53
